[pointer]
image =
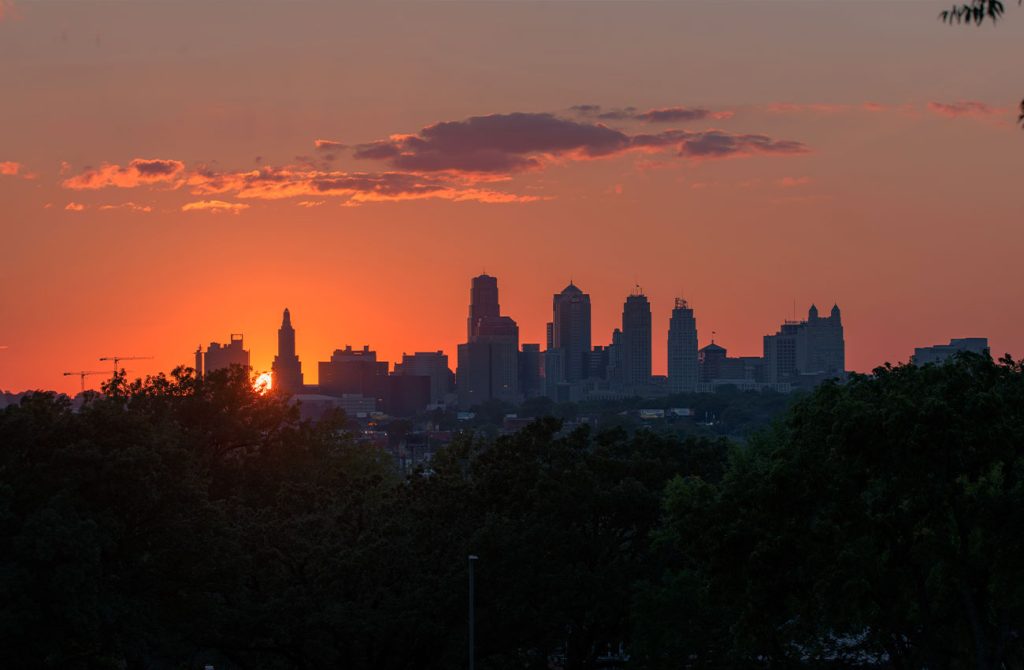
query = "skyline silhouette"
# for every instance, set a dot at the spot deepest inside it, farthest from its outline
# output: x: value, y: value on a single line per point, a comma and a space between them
x: 623, y: 357
x: 154, y: 200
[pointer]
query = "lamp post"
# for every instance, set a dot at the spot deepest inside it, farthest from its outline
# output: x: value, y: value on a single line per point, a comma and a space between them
x: 472, y: 613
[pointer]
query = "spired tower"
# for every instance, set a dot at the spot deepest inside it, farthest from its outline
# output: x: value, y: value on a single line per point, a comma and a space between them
x: 286, y: 368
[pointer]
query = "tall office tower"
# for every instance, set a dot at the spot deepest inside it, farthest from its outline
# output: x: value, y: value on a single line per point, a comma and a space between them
x: 682, y: 349
x: 806, y: 351
x: 488, y: 365
x: 570, y: 331
x: 223, y: 356
x: 286, y: 368
x: 483, y: 302
x: 636, y: 340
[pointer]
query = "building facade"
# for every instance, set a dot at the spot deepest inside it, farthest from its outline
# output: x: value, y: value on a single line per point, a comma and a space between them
x: 682, y: 349
x: 804, y: 353
x: 223, y: 356
x: 286, y: 368
x: 488, y: 363
x: 431, y: 364
x: 636, y: 340
x: 570, y: 331
x: 940, y: 353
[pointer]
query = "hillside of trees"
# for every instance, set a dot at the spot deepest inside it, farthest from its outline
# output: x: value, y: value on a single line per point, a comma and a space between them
x: 178, y: 523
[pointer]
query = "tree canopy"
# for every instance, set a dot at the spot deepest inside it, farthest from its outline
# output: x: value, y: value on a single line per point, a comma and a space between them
x: 180, y: 522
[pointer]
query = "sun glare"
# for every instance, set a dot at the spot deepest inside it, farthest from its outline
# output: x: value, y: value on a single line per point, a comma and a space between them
x: 263, y: 383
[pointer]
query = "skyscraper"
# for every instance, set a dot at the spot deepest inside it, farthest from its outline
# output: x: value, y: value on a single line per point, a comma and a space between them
x: 286, y: 368
x: 483, y: 302
x: 805, y: 352
x: 636, y: 340
x: 682, y: 349
x: 488, y: 364
x: 570, y: 331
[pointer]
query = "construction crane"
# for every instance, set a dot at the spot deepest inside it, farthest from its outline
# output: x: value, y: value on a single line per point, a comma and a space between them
x: 83, y: 374
x: 118, y: 359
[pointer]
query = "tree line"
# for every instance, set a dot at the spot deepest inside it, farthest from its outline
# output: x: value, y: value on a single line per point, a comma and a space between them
x: 177, y: 522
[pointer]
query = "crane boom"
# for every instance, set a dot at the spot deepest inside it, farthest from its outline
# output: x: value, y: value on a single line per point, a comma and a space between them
x: 118, y: 359
x: 82, y: 374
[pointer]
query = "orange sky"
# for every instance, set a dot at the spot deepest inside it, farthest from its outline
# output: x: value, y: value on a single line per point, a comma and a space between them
x: 161, y: 184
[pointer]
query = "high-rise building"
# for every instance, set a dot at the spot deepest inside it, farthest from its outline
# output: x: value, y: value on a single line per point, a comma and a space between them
x: 488, y: 365
x: 682, y: 349
x: 570, y: 331
x: 223, y: 356
x: 432, y: 364
x: 940, y: 353
x: 286, y: 368
x: 636, y: 340
x: 483, y: 302
x: 806, y: 352
x: 354, y: 371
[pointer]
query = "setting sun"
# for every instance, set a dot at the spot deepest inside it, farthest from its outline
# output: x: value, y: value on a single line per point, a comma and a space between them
x: 263, y: 383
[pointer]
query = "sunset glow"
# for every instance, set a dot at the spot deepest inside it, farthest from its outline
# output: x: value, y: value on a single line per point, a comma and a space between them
x: 263, y: 383
x: 628, y: 144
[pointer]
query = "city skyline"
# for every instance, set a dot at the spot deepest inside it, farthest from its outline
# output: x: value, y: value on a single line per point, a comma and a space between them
x: 811, y: 336
x: 264, y: 348
x: 150, y: 200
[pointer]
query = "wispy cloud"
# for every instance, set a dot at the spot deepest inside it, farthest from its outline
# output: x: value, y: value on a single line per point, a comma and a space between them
x: 328, y: 145
x: 215, y: 207
x: 967, y: 108
x: 129, y: 206
x: 141, y: 171
x: 74, y: 207
x: 678, y: 114
x: 722, y: 144
x: 813, y: 107
x: 9, y: 168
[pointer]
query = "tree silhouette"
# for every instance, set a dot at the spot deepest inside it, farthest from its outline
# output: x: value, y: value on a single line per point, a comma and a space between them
x: 976, y: 13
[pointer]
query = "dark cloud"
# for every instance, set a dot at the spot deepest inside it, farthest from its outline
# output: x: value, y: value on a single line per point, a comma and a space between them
x: 722, y: 144
x: 156, y: 167
x: 496, y: 144
x: 674, y: 114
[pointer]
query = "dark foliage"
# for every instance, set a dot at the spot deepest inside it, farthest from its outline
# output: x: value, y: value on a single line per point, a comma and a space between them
x: 176, y: 522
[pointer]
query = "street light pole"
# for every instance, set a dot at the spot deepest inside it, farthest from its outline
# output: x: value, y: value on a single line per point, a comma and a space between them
x: 472, y: 613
